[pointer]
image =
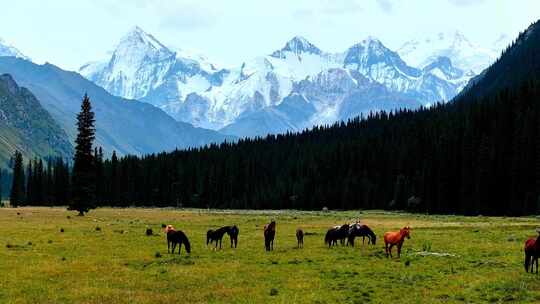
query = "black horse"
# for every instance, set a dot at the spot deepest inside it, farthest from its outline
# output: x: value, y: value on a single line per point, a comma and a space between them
x: 233, y: 234
x: 336, y: 233
x: 177, y: 237
x: 363, y: 231
x: 269, y: 234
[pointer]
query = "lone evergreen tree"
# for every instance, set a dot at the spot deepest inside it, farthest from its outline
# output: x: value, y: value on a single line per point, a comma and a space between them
x: 16, y: 196
x: 84, y: 176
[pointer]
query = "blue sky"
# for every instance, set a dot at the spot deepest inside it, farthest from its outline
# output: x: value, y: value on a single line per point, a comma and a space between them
x: 69, y: 33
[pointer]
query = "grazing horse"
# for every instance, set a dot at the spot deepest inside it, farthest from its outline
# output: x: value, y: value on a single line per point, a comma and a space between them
x: 363, y: 231
x: 177, y: 237
x: 233, y: 234
x: 216, y: 235
x: 396, y: 238
x: 269, y: 234
x: 532, y: 252
x: 168, y: 229
x: 300, y: 237
x: 336, y: 233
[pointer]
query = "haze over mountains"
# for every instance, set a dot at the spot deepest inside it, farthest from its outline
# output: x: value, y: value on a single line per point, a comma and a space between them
x: 292, y: 88
x: 126, y: 126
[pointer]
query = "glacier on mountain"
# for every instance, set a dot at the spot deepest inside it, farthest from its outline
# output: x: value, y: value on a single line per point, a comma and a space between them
x: 295, y: 87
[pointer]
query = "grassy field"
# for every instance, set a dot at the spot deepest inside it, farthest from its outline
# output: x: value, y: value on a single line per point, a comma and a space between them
x: 118, y: 263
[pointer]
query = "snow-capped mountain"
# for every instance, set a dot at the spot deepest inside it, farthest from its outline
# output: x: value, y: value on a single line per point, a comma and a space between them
x: 8, y: 50
x: 464, y: 54
x: 270, y: 93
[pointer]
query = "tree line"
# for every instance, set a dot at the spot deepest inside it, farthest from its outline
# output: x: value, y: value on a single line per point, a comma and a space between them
x: 476, y: 156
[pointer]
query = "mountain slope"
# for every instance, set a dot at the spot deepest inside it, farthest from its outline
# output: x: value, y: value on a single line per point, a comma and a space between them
x: 123, y: 125
x: 26, y: 126
x: 518, y: 63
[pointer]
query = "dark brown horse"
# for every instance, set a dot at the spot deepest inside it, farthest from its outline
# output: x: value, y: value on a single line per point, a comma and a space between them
x: 269, y: 234
x: 532, y: 253
x: 177, y: 237
x: 216, y: 235
x: 300, y: 237
x: 336, y: 233
x: 363, y: 231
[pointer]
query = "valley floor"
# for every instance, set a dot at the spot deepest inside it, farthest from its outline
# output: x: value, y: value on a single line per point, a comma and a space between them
x: 448, y: 259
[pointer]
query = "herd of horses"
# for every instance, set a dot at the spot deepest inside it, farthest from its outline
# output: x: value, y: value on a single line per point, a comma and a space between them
x: 345, y: 234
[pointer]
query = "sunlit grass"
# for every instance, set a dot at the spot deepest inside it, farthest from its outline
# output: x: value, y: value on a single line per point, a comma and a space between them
x: 118, y: 264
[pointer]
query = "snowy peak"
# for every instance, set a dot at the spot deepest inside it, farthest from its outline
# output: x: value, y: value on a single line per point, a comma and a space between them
x: 297, y: 45
x: 138, y: 43
x: 371, y: 54
x: 11, y: 51
x: 464, y: 54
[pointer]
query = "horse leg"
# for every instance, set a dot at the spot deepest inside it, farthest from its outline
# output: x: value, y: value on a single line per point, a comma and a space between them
x: 173, y: 247
x: 390, y: 250
x: 179, y: 248
x: 168, y: 246
x: 399, y: 250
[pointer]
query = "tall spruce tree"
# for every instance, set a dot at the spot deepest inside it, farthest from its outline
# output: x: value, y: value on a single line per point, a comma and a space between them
x: 16, y: 197
x: 84, y: 175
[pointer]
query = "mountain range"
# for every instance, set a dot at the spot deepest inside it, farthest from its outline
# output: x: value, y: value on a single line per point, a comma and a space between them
x: 292, y: 88
x: 126, y: 126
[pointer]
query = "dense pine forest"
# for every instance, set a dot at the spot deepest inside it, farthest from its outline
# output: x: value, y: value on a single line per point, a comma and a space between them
x: 479, y: 154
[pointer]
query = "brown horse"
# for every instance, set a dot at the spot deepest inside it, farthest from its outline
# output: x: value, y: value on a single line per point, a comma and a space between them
x: 396, y: 238
x: 300, y: 237
x: 532, y: 252
x: 269, y: 234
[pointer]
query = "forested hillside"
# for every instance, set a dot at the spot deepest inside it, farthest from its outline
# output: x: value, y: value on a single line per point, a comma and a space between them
x: 26, y: 126
x: 477, y: 155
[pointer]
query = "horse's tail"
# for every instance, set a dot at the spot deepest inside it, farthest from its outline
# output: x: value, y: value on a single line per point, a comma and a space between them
x: 208, y: 236
x: 186, y: 244
x: 327, y: 237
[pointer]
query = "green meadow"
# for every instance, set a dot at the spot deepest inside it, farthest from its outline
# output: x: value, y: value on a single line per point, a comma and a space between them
x: 105, y: 257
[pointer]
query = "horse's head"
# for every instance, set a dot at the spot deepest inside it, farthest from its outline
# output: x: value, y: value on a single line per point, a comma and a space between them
x: 405, y: 232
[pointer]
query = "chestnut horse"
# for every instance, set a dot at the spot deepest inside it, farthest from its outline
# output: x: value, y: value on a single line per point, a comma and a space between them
x: 532, y: 252
x: 396, y: 238
x: 269, y: 234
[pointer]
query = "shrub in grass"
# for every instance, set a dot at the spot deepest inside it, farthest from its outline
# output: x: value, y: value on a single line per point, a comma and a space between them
x: 163, y: 225
x: 49, y: 241
x: 8, y: 246
x: 61, y: 229
x: 29, y: 243
x: 98, y: 228
x: 158, y: 254
x: 149, y: 231
x: 273, y: 292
